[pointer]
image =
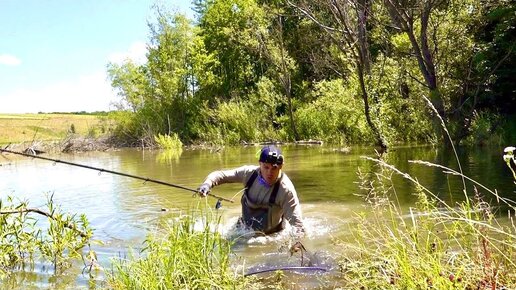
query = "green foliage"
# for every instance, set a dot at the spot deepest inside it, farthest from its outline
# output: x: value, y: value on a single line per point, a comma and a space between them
x: 233, y: 122
x: 402, y: 115
x: 160, y: 93
x: 230, y: 31
x: 168, y: 141
x: 494, y: 61
x: 248, y: 70
x: 23, y: 240
x: 335, y: 115
x: 190, y: 255
x: 484, y: 129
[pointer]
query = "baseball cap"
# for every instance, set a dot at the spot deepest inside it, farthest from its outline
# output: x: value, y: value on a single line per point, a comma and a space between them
x: 271, y: 154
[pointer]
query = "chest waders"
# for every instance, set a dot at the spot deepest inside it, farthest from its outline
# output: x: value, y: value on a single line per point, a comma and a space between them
x: 259, y: 216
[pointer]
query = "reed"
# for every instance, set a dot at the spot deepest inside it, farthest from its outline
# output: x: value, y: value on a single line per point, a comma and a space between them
x: 191, y: 254
x: 431, y: 245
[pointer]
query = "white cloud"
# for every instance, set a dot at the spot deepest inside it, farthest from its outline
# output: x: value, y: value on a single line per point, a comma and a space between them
x: 136, y: 52
x: 8, y: 59
x: 87, y: 93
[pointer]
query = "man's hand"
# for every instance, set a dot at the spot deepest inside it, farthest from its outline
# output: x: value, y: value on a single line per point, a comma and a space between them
x: 204, y: 189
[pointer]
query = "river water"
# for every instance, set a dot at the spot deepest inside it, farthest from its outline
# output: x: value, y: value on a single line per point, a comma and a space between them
x: 122, y: 210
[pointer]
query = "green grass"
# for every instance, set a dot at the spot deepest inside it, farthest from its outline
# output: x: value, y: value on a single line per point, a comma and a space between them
x: 182, y: 258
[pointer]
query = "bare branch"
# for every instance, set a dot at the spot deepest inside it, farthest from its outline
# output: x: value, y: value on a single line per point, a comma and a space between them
x: 311, y: 17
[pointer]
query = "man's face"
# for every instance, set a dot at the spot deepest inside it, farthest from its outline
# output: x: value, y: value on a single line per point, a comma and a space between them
x: 269, y: 172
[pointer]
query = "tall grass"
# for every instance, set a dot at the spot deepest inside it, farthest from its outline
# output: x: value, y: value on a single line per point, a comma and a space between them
x: 432, y: 245
x: 185, y: 257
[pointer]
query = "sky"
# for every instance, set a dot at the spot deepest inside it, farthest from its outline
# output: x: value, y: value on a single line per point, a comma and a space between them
x: 54, y: 53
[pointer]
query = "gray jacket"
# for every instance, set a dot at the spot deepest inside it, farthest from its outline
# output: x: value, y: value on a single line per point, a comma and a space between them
x: 287, y: 202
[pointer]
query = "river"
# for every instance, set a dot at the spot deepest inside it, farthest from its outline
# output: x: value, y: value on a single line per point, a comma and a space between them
x: 122, y: 210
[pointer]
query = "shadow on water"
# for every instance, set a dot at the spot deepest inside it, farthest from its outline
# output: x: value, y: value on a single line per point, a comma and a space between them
x: 123, y: 211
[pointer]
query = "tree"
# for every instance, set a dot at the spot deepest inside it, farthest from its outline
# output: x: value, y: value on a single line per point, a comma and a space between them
x: 345, y: 22
x: 281, y: 66
x: 161, y: 92
x: 228, y: 30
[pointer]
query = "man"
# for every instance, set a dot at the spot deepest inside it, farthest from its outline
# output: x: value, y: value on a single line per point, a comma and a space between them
x: 269, y: 199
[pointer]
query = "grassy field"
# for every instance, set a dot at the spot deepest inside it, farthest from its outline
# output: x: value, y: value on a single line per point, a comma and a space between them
x: 17, y: 128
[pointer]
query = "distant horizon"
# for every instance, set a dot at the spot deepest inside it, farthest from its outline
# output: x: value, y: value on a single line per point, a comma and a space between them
x: 62, y: 113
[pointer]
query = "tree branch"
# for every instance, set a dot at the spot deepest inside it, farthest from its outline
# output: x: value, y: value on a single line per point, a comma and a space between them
x: 44, y: 213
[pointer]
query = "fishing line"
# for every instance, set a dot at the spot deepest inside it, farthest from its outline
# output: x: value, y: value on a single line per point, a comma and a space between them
x: 238, y: 193
x: 145, y: 179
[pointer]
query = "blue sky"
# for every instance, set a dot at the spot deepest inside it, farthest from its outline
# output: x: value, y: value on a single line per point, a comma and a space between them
x: 53, y: 53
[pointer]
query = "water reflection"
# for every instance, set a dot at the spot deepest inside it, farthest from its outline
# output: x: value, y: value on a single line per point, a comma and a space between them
x: 123, y: 210
x: 169, y: 156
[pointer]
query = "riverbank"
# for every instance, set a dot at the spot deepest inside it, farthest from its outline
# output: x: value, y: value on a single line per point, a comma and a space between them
x: 68, y: 145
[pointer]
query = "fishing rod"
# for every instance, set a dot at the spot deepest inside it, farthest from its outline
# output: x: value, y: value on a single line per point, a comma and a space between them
x: 145, y: 179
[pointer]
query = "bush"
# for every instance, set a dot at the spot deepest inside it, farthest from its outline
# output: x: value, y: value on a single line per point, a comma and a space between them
x: 22, y: 240
x: 336, y: 115
x: 168, y: 141
x: 484, y: 129
x: 233, y: 122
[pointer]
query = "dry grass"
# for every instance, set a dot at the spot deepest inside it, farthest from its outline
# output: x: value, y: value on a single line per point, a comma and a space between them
x: 18, y: 128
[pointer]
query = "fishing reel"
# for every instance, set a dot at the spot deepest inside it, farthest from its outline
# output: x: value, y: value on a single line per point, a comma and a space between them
x: 218, y: 204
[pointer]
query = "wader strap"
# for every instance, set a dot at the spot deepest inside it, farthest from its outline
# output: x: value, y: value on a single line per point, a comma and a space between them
x: 272, y: 201
x: 274, y: 193
x: 250, y: 182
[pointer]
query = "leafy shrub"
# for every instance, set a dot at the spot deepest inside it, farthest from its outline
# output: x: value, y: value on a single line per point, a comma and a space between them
x: 335, y: 116
x: 484, y: 129
x: 168, y: 141
x: 22, y: 240
x: 232, y: 123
